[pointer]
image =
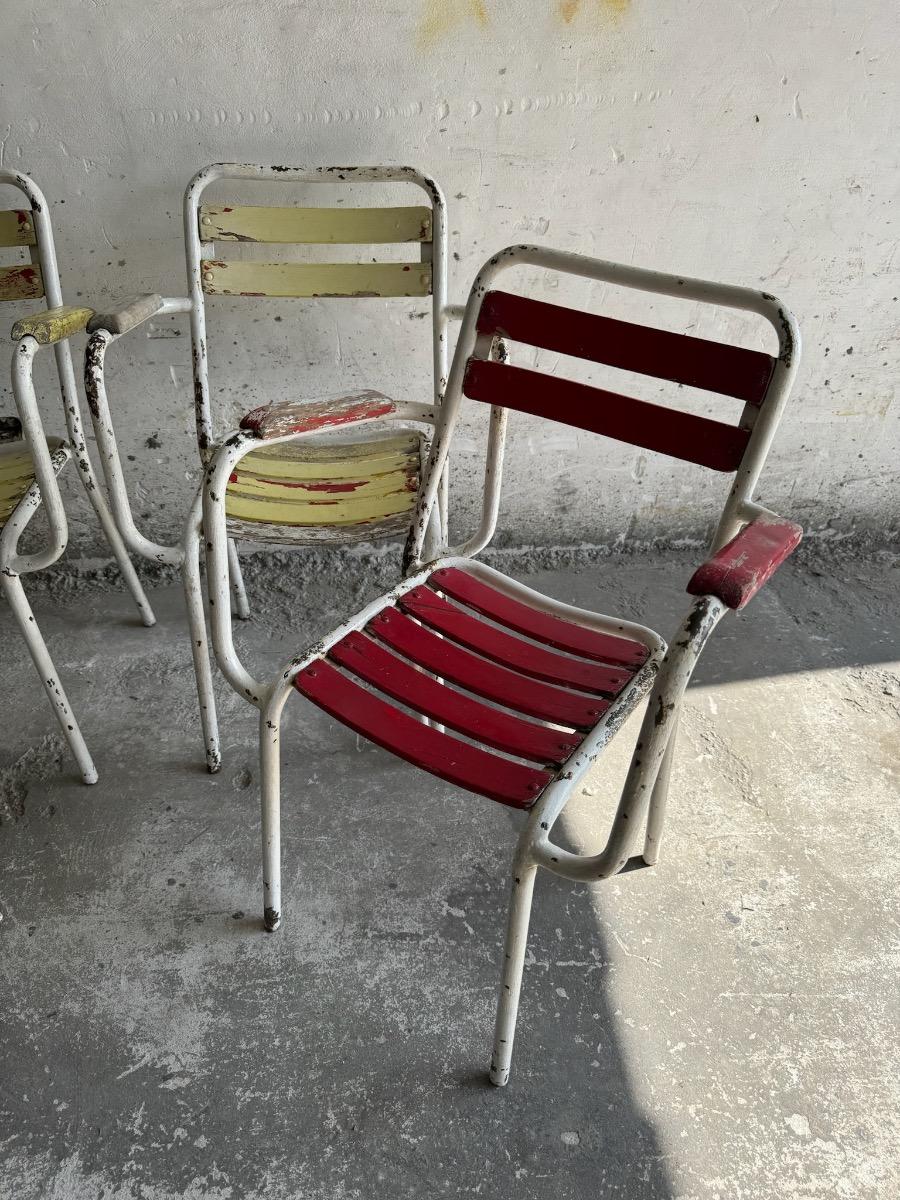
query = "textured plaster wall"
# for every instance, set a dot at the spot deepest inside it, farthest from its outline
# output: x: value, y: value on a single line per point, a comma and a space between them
x: 752, y: 142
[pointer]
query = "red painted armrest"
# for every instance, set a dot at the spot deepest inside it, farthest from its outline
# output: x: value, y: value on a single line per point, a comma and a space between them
x: 276, y: 420
x: 742, y: 566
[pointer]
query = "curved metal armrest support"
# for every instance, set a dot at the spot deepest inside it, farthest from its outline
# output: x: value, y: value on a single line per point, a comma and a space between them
x: 53, y: 325
x: 674, y: 675
x: 102, y: 335
x: 737, y: 572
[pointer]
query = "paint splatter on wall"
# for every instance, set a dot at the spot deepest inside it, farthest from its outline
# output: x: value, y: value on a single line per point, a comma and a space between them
x: 569, y: 9
x: 442, y: 16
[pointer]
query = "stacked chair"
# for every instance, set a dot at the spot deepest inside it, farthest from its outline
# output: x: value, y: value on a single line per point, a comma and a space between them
x: 356, y: 477
x: 30, y: 461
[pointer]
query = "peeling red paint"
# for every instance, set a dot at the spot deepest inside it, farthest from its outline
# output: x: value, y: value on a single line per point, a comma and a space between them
x: 276, y: 420
x: 748, y: 561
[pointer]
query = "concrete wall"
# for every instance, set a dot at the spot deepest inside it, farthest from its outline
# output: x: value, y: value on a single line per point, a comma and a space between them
x: 751, y: 142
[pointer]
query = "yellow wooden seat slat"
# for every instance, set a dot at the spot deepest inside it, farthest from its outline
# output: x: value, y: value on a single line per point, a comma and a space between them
x: 340, y: 510
x: 17, y: 228
x: 324, y: 489
x: 310, y: 280
x: 17, y: 474
x: 314, y: 226
x: 298, y: 461
x: 21, y: 282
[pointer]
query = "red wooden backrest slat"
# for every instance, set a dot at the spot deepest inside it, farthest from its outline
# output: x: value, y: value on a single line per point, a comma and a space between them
x: 679, y: 434
x: 680, y: 358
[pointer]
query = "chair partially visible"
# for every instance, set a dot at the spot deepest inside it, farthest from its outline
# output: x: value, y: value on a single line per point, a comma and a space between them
x: 525, y: 691
x: 356, y: 477
x: 30, y: 461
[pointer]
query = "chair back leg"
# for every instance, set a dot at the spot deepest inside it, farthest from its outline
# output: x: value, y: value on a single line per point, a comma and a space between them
x: 241, y: 604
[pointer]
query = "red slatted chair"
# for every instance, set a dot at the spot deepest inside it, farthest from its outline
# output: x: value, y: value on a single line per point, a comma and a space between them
x: 482, y: 681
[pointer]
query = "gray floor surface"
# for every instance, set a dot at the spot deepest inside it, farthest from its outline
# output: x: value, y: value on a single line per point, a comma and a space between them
x: 721, y: 1026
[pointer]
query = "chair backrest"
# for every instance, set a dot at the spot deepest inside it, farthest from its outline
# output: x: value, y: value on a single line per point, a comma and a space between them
x: 761, y: 381
x: 29, y: 229
x: 422, y: 227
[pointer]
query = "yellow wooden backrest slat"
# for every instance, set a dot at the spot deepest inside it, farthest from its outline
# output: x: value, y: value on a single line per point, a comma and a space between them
x: 314, y: 226
x: 21, y: 282
x: 17, y: 228
x: 315, y: 279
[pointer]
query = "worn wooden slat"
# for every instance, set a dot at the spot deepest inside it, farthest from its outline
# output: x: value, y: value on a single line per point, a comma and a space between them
x: 476, y: 674
x: 469, y: 631
x: 54, y: 325
x: 17, y: 228
x: 385, y: 484
x: 417, y: 690
x: 387, y: 726
x: 395, y: 526
x: 681, y: 435
x: 680, y: 358
x: 298, y: 461
x: 22, y: 282
x: 324, y: 510
x: 314, y: 226
x: 276, y: 420
x: 315, y: 279
x: 543, y: 627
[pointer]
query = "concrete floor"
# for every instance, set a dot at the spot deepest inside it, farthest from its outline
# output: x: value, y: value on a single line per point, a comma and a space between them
x: 723, y: 1026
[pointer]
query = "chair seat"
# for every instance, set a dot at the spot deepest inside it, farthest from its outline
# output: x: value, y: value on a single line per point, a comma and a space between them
x: 338, y: 491
x: 452, y: 650
x: 17, y: 474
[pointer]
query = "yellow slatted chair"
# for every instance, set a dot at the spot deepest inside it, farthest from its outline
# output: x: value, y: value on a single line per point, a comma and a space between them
x: 357, y: 478
x: 29, y: 460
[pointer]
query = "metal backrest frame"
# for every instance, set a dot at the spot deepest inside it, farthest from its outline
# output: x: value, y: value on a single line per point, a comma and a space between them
x: 763, y: 382
x: 200, y: 261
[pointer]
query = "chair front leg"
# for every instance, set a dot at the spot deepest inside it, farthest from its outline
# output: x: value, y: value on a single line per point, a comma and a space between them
x: 40, y: 656
x: 656, y: 814
x: 524, y: 873
x: 270, y: 802
x: 193, y: 597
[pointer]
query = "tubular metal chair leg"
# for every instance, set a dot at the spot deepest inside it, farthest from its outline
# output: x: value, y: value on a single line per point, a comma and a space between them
x: 40, y: 655
x: 116, y: 544
x: 193, y: 596
x: 241, y: 604
x: 511, y: 978
x: 659, y: 796
x: 270, y: 795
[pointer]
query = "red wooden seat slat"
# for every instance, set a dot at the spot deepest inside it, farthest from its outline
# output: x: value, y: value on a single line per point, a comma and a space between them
x: 447, y: 757
x: 543, y: 627
x: 681, y: 435
x: 695, y: 362
x: 426, y: 606
x: 397, y: 678
x: 468, y: 670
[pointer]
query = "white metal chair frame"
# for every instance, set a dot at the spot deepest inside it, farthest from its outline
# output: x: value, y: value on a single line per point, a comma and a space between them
x: 53, y: 327
x: 403, y: 417
x: 664, y: 675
